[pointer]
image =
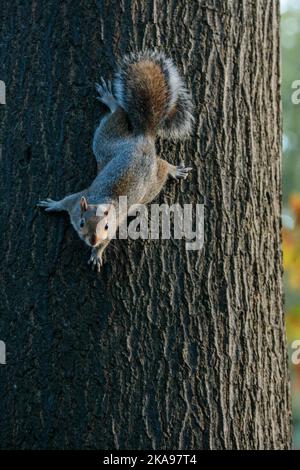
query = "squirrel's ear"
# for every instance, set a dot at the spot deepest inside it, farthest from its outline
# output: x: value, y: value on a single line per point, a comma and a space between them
x: 83, y: 204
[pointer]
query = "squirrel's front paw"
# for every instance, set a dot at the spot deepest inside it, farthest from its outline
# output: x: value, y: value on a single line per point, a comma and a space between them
x: 49, y: 205
x: 96, y: 260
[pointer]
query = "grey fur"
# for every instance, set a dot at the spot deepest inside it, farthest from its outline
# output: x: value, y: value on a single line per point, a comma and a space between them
x: 127, y: 161
x: 181, y: 124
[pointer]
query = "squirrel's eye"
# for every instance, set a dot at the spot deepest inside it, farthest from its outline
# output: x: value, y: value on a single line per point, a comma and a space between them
x: 81, y: 223
x: 106, y: 227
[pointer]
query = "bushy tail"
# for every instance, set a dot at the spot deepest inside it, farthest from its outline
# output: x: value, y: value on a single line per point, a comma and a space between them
x: 148, y: 86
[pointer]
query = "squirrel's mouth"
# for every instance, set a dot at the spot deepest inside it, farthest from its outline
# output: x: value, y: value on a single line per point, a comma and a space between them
x: 93, y: 243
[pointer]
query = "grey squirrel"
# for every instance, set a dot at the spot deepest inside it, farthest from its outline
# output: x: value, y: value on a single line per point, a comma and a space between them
x: 146, y: 99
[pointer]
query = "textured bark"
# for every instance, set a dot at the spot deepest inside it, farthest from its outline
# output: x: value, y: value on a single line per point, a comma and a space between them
x: 165, y: 349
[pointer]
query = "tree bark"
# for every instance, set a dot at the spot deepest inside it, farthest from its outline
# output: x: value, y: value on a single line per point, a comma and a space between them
x: 165, y: 349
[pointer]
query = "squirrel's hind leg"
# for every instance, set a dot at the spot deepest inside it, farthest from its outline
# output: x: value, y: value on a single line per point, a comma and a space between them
x: 106, y: 95
x: 164, y: 170
x: 179, y: 172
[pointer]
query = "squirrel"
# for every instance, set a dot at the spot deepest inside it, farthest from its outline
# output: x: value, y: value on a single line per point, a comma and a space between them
x: 146, y: 98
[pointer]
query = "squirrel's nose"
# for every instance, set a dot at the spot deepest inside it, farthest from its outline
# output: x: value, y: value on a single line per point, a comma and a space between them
x: 93, y: 239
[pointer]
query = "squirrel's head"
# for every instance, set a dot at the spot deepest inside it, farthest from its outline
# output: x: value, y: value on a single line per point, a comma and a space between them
x: 93, y: 223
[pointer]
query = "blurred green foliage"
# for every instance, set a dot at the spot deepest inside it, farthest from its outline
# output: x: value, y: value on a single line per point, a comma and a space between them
x: 290, y: 42
x: 290, y: 47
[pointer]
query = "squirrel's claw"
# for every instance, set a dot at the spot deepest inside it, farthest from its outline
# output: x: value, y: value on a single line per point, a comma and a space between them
x: 99, y: 89
x: 96, y: 261
x: 106, y: 95
x: 181, y: 172
x: 104, y: 88
x: 48, y: 204
x: 99, y: 265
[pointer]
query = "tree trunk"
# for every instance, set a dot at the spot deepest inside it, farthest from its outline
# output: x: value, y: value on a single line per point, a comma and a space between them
x: 166, y: 348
